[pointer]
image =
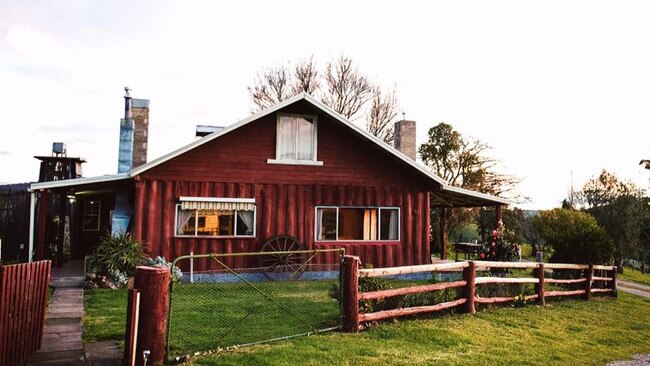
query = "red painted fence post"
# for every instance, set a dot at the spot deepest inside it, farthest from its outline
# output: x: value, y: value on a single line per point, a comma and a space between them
x: 539, y: 286
x: 589, y: 277
x: 153, y: 285
x: 350, y: 293
x: 469, y: 276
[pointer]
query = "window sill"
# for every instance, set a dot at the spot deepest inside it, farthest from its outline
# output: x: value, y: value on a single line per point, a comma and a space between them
x: 359, y: 242
x: 294, y: 162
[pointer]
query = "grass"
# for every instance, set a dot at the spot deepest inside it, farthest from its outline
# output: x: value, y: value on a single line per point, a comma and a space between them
x: 104, y: 314
x: 205, y: 316
x: 633, y: 275
x: 565, y: 332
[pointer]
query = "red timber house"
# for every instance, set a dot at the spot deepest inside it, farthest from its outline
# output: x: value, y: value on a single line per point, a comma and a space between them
x: 297, y: 169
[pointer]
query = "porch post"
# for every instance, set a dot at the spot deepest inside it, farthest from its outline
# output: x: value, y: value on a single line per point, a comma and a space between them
x: 498, y: 216
x: 42, y: 224
x: 59, y: 243
x: 32, y: 212
x: 443, y: 232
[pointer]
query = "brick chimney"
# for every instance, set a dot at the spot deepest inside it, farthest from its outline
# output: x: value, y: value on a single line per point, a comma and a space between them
x: 404, y: 139
x: 134, y: 133
x: 140, y: 113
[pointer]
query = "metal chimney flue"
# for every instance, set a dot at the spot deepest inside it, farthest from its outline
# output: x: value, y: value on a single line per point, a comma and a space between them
x: 134, y: 133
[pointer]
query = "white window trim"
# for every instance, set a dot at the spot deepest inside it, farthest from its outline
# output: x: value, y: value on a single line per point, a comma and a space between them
x: 314, y: 161
x: 379, y: 208
x: 216, y: 199
x: 99, y: 217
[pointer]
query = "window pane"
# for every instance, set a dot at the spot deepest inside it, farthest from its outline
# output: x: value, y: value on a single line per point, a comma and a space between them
x: 215, y: 222
x: 358, y: 224
x: 186, y: 222
x: 245, y: 222
x: 286, y: 138
x: 305, y: 133
x: 326, y: 224
x: 389, y: 224
x: 92, y: 211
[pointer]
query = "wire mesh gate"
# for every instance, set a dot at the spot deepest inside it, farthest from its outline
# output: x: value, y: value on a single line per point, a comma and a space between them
x: 250, y: 298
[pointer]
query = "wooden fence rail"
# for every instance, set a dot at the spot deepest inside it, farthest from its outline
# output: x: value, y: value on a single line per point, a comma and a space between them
x: 466, y: 303
x: 23, y: 301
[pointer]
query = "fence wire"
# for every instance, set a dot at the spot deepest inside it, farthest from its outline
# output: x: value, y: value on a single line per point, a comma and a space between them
x: 230, y: 306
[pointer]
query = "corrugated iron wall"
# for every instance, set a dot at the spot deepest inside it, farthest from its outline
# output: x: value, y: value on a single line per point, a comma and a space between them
x: 282, y: 209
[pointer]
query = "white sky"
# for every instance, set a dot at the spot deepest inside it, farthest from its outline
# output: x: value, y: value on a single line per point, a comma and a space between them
x: 554, y: 87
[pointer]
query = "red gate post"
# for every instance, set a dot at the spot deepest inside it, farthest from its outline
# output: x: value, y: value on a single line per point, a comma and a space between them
x: 469, y: 276
x: 153, y: 285
x: 539, y: 286
x: 589, y: 276
x: 350, y: 293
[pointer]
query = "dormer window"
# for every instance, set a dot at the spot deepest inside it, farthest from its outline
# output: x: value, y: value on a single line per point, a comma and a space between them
x: 296, y: 140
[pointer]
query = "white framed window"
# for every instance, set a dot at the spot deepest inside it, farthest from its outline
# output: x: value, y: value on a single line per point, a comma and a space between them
x: 92, y: 213
x: 357, y: 223
x: 215, y: 217
x: 296, y: 140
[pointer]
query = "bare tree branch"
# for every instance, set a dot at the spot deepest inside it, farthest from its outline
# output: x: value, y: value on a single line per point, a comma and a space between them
x: 381, y: 116
x: 270, y: 88
x: 306, y: 77
x: 347, y: 89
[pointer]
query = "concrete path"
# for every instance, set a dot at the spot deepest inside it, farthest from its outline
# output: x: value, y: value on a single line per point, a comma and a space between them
x: 633, y: 288
x: 62, y: 342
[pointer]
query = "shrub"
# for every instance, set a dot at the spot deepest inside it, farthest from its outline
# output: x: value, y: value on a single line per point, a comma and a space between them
x: 176, y: 274
x: 520, y: 301
x: 366, y: 284
x: 116, y: 257
x: 433, y: 297
x: 500, y: 247
x: 574, y: 236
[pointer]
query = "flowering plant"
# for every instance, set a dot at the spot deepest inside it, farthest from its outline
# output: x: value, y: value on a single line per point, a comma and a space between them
x: 499, y: 248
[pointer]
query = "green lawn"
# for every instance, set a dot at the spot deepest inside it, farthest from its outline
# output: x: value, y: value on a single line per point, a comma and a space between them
x: 204, y: 316
x: 104, y: 314
x: 563, y: 333
x: 633, y: 275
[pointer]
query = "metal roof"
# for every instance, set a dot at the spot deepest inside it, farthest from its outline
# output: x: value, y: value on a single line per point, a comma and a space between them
x: 447, y: 195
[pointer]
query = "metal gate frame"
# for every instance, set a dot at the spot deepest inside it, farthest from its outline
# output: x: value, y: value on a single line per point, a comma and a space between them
x: 217, y: 256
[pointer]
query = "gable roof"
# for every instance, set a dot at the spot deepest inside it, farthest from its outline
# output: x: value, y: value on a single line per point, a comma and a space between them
x: 453, y: 193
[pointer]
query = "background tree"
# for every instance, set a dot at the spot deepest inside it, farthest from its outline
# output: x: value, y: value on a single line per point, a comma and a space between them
x: 619, y: 207
x: 646, y: 162
x: 341, y: 86
x: 574, y: 236
x: 463, y: 162
x: 513, y: 222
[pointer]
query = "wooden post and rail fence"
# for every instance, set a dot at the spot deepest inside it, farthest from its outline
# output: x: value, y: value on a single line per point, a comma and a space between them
x: 23, y: 301
x: 467, y: 302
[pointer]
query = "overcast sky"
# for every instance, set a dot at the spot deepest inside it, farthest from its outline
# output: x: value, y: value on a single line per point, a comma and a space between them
x: 554, y: 87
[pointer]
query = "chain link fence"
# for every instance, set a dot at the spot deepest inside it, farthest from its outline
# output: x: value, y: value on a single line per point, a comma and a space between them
x: 234, y: 305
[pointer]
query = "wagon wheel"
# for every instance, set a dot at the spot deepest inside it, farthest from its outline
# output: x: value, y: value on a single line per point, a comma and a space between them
x: 278, y: 266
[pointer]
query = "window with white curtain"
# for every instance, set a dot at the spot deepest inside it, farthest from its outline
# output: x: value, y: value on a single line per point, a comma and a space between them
x: 215, y: 217
x: 355, y: 223
x: 296, y: 140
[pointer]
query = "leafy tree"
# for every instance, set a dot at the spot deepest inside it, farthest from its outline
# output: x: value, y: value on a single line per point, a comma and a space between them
x: 462, y: 162
x: 513, y: 219
x: 574, y: 236
x: 341, y: 86
x: 619, y: 207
